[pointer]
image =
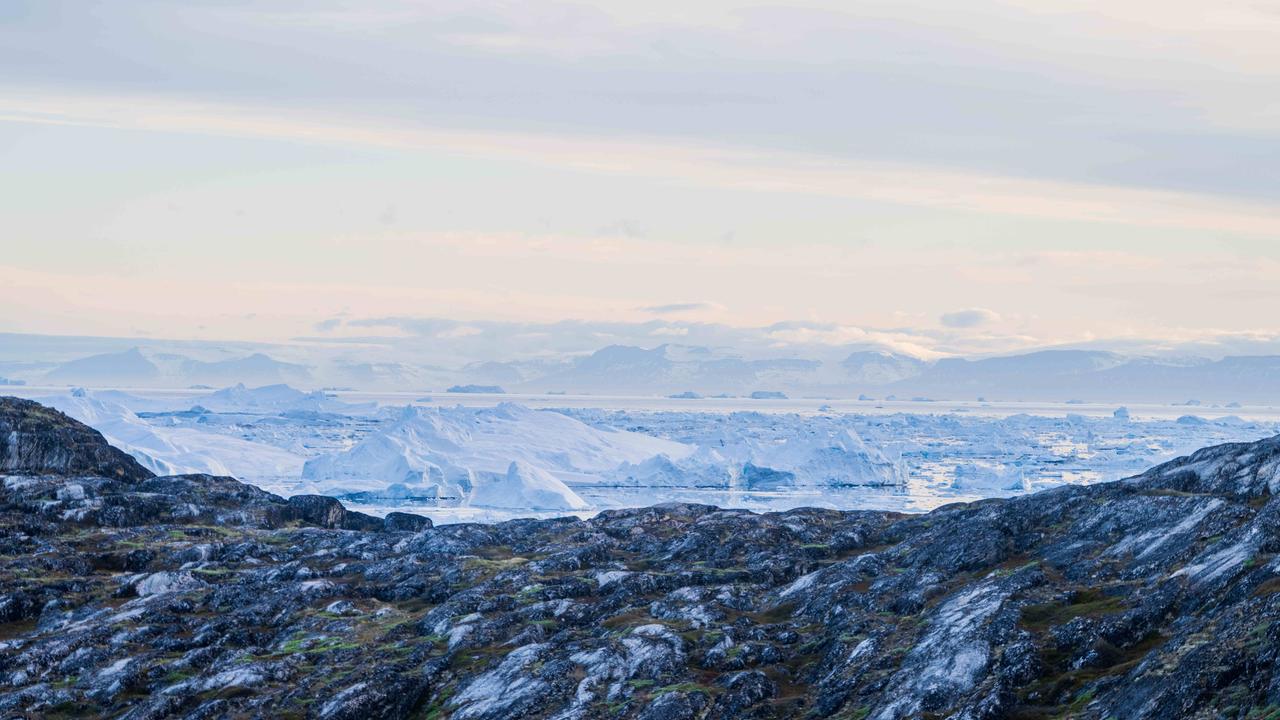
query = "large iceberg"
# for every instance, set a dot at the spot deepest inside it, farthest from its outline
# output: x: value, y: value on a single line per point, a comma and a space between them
x: 524, y: 486
x: 838, y: 460
x: 447, y: 452
x: 276, y: 399
x: 987, y: 476
x: 176, y: 450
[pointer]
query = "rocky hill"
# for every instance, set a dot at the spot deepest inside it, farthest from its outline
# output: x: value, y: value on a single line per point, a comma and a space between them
x: 132, y: 596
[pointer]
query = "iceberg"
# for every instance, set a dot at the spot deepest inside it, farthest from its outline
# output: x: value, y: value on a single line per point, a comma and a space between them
x: 176, y: 450
x: 842, y: 459
x: 524, y: 487
x: 980, y: 476
x: 449, y: 449
x: 705, y: 468
x: 277, y: 399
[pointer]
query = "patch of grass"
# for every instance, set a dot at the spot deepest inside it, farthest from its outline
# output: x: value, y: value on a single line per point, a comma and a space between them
x: 779, y: 614
x: 529, y: 593
x: 1059, y: 681
x: 495, y: 565
x: 627, y: 619
x: 1084, y: 603
x: 684, y: 687
x: 1163, y: 492
x: 1270, y: 587
x: 315, y: 645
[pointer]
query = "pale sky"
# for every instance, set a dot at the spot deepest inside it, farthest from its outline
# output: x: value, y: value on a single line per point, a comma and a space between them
x: 988, y: 175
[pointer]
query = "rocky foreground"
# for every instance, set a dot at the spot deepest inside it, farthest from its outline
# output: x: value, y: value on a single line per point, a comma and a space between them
x: 133, y: 596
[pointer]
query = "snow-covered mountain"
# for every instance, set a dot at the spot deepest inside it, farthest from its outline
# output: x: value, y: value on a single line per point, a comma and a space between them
x: 798, y: 370
x: 667, y: 369
x: 255, y: 369
x: 1094, y: 376
x: 136, y: 368
x: 127, y: 368
x: 873, y: 368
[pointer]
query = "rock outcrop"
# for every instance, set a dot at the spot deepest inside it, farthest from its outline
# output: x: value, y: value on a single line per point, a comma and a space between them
x: 129, y: 596
x: 38, y: 440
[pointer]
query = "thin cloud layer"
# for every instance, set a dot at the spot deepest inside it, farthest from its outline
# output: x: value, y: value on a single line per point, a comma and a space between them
x: 972, y: 317
x: 266, y: 166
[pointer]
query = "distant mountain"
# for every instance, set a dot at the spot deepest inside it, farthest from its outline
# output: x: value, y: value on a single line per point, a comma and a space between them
x: 256, y: 369
x: 122, y: 368
x: 621, y: 369
x: 133, y: 368
x: 1047, y: 376
x: 626, y: 369
x: 493, y: 373
x: 385, y: 375
x: 876, y: 367
x: 1093, y: 376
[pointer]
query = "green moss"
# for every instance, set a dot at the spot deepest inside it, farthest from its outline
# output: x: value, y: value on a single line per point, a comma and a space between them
x: 315, y: 645
x: 1085, y: 603
x: 495, y: 565
x: 684, y: 687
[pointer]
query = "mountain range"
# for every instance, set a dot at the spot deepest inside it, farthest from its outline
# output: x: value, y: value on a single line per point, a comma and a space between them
x: 1052, y: 375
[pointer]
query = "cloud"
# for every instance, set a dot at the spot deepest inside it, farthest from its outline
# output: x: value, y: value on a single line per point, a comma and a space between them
x: 460, y: 331
x: 677, y: 308
x: 971, y: 317
x: 328, y: 325
x: 711, y: 163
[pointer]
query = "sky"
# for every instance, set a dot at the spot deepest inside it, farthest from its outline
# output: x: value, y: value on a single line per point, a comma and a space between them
x: 932, y: 176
